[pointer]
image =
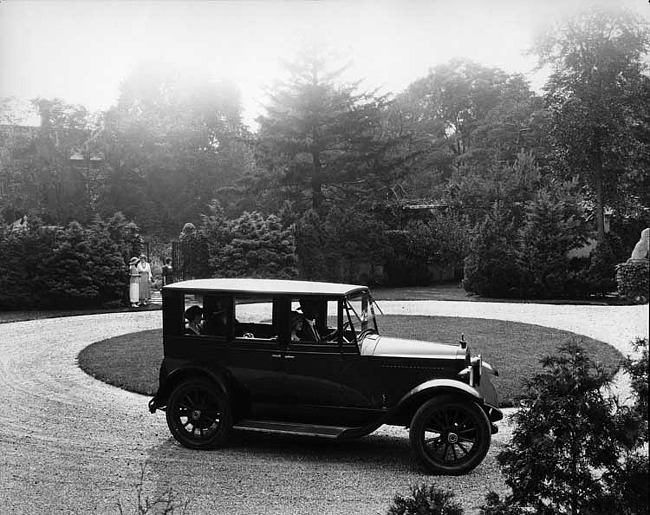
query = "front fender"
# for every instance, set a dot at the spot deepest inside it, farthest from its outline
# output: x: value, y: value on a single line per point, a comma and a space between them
x: 402, y: 413
x: 448, y: 385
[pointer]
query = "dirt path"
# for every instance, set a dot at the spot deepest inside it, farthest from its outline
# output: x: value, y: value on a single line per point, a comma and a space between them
x: 71, y: 444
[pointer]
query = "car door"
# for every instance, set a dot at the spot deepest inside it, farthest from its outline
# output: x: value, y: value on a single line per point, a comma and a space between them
x: 255, y: 356
x: 327, y: 381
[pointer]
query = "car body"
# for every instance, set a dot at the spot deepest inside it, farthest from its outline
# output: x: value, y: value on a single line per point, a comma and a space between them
x: 304, y: 357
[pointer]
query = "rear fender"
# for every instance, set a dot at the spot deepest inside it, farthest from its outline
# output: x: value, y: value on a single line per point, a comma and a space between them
x: 169, y: 381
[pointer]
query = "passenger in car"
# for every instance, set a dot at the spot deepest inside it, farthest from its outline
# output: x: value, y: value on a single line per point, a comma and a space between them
x: 296, y: 326
x: 309, y: 309
x: 215, y: 319
x: 194, y: 315
x: 302, y: 328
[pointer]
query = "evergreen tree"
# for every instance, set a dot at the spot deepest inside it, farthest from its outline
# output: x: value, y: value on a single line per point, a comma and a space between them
x: 69, y: 279
x: 567, y: 441
x: 322, y: 141
x: 553, y: 225
x: 311, y: 247
x: 22, y: 271
x: 106, y: 264
x: 490, y: 266
x: 257, y: 247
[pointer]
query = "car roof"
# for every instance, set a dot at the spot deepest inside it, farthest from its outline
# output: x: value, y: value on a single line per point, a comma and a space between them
x: 267, y: 286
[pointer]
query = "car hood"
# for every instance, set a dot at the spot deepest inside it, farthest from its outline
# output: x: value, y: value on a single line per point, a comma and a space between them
x: 385, y: 346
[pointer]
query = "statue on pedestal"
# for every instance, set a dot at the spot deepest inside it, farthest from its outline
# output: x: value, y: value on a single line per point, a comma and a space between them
x: 640, y: 251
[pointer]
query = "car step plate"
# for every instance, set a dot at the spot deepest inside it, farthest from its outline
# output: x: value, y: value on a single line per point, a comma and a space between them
x: 291, y: 428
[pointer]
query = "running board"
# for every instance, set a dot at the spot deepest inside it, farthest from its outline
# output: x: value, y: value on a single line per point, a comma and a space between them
x: 289, y: 428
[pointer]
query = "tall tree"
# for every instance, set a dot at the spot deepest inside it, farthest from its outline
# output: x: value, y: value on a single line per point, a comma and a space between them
x: 36, y: 173
x: 468, y: 119
x: 599, y: 98
x: 172, y: 141
x: 322, y: 140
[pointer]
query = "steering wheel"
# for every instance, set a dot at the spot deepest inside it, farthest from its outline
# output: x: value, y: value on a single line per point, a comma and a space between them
x: 335, y: 335
x: 365, y: 333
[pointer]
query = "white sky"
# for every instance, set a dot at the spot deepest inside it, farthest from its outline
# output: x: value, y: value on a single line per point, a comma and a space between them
x: 80, y: 51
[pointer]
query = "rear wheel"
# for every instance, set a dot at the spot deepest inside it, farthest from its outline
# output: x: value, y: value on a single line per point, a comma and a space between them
x: 199, y: 415
x: 450, y: 435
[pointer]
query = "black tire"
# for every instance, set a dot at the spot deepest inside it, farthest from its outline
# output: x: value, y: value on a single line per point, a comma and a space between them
x: 450, y: 435
x: 199, y: 414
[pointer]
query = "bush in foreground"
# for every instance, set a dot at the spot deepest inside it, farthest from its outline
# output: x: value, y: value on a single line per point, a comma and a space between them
x: 573, y: 450
x: 426, y: 500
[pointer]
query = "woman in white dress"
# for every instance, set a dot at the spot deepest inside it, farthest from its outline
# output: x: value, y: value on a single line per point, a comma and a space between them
x: 145, y: 280
x: 134, y: 282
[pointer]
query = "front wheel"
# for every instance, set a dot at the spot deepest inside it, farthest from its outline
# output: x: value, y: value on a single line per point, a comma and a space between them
x: 199, y: 415
x: 450, y: 435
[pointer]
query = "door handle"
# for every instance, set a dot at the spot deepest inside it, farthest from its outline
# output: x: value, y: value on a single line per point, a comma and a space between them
x: 289, y: 356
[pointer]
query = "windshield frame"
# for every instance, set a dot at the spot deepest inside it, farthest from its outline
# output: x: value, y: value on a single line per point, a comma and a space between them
x: 365, y: 320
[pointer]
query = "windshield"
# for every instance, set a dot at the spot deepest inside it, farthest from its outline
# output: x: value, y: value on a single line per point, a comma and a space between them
x: 361, y: 313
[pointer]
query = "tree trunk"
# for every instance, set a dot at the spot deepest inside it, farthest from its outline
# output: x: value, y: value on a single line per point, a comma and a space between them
x: 316, y: 184
x: 600, y: 202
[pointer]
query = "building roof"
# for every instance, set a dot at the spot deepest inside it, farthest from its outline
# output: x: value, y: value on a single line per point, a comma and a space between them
x: 266, y: 286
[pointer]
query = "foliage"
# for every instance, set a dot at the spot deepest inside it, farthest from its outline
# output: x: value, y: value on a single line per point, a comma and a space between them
x: 426, y: 500
x: 552, y: 226
x: 23, y: 252
x: 597, y: 95
x: 601, y: 274
x: 74, y: 266
x: 173, y: 140
x: 69, y: 278
x: 569, y: 440
x: 311, y: 247
x: 419, y: 253
x: 475, y: 189
x: 253, y: 246
x: 633, y: 281
x: 467, y: 124
x: 35, y: 167
x: 638, y: 371
x: 165, y: 503
x: 322, y: 142
x: 347, y: 245
x: 490, y: 267
x: 193, y: 253
x: 106, y: 261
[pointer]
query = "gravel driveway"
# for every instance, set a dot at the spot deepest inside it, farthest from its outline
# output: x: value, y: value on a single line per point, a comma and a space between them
x: 71, y: 444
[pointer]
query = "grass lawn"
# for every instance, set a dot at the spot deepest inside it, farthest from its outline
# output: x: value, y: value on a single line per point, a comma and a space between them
x: 132, y: 361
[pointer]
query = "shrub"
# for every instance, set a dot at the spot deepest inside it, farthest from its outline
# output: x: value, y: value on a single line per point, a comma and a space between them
x: 21, y: 267
x: 74, y: 266
x: 490, y: 267
x: 346, y: 245
x: 426, y: 500
x: 551, y: 228
x: 415, y: 253
x: 632, y: 281
x: 638, y: 371
x: 601, y: 274
x: 256, y: 247
x: 194, y: 253
x: 568, y: 450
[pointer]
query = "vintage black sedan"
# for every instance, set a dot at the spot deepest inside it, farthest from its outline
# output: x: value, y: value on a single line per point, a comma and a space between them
x: 306, y: 358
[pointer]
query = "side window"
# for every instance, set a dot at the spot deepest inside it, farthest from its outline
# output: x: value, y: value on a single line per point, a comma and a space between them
x: 256, y: 318
x: 313, y: 320
x: 193, y: 315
